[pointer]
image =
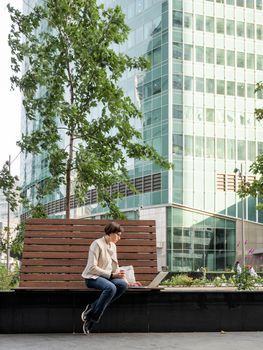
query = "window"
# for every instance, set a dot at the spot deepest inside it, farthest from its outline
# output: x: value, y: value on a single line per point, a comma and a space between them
x: 199, y: 22
x: 210, y: 147
x: 230, y: 117
x: 250, y: 119
x: 178, y: 144
x: 241, y: 118
x: 188, y: 83
x: 240, y: 3
x: 210, y: 86
x: 210, y: 24
x: 188, y: 20
x: 250, y: 61
x: 199, y: 52
x: 250, y: 4
x: 220, y: 56
x: 157, y: 86
x: 220, y: 87
x: 177, y: 51
x: 188, y: 49
x: 240, y: 29
x: 177, y: 81
x: 157, y: 56
x: 220, y: 148
x: 251, y: 150
x: 230, y: 88
x: 250, y: 90
x: 241, y: 150
x: 177, y: 19
x: 230, y: 2
x: 259, y: 4
x: 250, y: 30
x: 177, y: 112
x: 230, y: 56
x: 199, y: 146
x: 139, y: 6
x: 210, y: 115
x: 220, y: 26
x: 230, y: 27
x: 260, y: 94
x: 199, y: 84
x: 260, y: 148
x: 240, y: 59
x: 259, y: 32
x: 260, y: 62
x: 188, y: 145
x: 241, y: 89
x: 188, y: 113
x: 220, y: 116
x: 210, y: 55
x: 231, y: 149
x: 199, y: 114
x: 147, y: 90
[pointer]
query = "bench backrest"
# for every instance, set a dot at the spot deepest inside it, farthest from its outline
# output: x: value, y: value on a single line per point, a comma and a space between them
x: 55, y: 251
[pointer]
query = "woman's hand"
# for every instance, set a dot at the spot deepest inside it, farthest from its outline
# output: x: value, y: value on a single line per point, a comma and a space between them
x: 135, y: 284
x: 119, y: 274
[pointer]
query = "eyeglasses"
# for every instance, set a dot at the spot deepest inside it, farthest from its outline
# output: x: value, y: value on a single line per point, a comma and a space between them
x: 118, y: 234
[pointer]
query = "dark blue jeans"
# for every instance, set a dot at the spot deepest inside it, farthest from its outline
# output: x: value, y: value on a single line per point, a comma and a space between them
x: 111, y: 290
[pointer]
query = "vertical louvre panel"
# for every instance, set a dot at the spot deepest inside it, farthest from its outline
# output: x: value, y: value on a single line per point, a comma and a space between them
x: 221, y: 182
x: 231, y: 183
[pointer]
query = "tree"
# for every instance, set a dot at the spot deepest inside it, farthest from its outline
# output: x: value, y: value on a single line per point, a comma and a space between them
x: 14, y: 197
x: 12, y: 193
x: 71, y: 68
x: 255, y: 188
x: 9, y: 187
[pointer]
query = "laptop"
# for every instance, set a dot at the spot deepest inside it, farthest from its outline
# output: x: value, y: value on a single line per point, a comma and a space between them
x: 154, y: 283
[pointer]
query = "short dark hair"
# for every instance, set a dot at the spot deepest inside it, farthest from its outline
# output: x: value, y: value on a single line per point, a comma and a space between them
x: 113, y: 227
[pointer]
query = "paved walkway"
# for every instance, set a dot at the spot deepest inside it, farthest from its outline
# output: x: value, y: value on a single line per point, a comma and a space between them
x: 134, y: 341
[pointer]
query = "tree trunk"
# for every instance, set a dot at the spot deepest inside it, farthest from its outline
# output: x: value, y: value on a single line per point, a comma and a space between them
x: 68, y: 176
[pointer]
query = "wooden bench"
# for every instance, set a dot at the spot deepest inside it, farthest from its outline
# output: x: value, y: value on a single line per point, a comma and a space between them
x: 56, y: 250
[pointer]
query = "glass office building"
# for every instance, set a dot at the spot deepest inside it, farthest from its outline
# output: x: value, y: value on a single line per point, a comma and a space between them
x: 198, y: 104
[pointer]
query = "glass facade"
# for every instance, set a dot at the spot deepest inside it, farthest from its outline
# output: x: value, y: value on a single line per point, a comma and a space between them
x: 198, y: 101
x: 197, y: 240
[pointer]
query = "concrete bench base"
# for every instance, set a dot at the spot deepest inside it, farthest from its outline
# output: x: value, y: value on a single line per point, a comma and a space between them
x: 136, y: 311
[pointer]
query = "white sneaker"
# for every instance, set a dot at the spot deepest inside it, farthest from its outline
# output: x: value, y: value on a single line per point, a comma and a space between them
x: 85, y: 313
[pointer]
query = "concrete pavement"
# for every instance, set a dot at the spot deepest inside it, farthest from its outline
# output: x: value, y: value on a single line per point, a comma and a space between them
x: 134, y: 341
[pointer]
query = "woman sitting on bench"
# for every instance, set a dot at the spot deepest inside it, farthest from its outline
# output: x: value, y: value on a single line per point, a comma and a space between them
x: 102, y: 272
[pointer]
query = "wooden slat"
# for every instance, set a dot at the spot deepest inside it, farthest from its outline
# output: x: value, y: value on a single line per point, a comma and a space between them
x: 56, y: 251
x: 53, y: 284
x: 123, y: 256
x: 66, y: 277
x: 88, y: 235
x: 42, y: 285
x: 82, y: 262
x: 78, y: 248
x: 75, y: 269
x: 89, y: 222
x: 84, y: 242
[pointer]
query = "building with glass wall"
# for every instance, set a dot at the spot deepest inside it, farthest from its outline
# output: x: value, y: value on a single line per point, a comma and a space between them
x: 198, y: 104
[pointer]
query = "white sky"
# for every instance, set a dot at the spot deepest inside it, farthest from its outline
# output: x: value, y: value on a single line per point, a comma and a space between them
x: 10, y: 100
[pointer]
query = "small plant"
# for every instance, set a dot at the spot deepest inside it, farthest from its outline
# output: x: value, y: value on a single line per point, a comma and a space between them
x: 9, y: 279
x: 217, y: 282
x: 179, y: 280
x: 199, y: 282
x: 244, y: 281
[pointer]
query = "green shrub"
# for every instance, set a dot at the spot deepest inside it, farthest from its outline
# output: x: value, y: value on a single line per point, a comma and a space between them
x: 244, y: 281
x: 9, y: 279
x: 179, y: 280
